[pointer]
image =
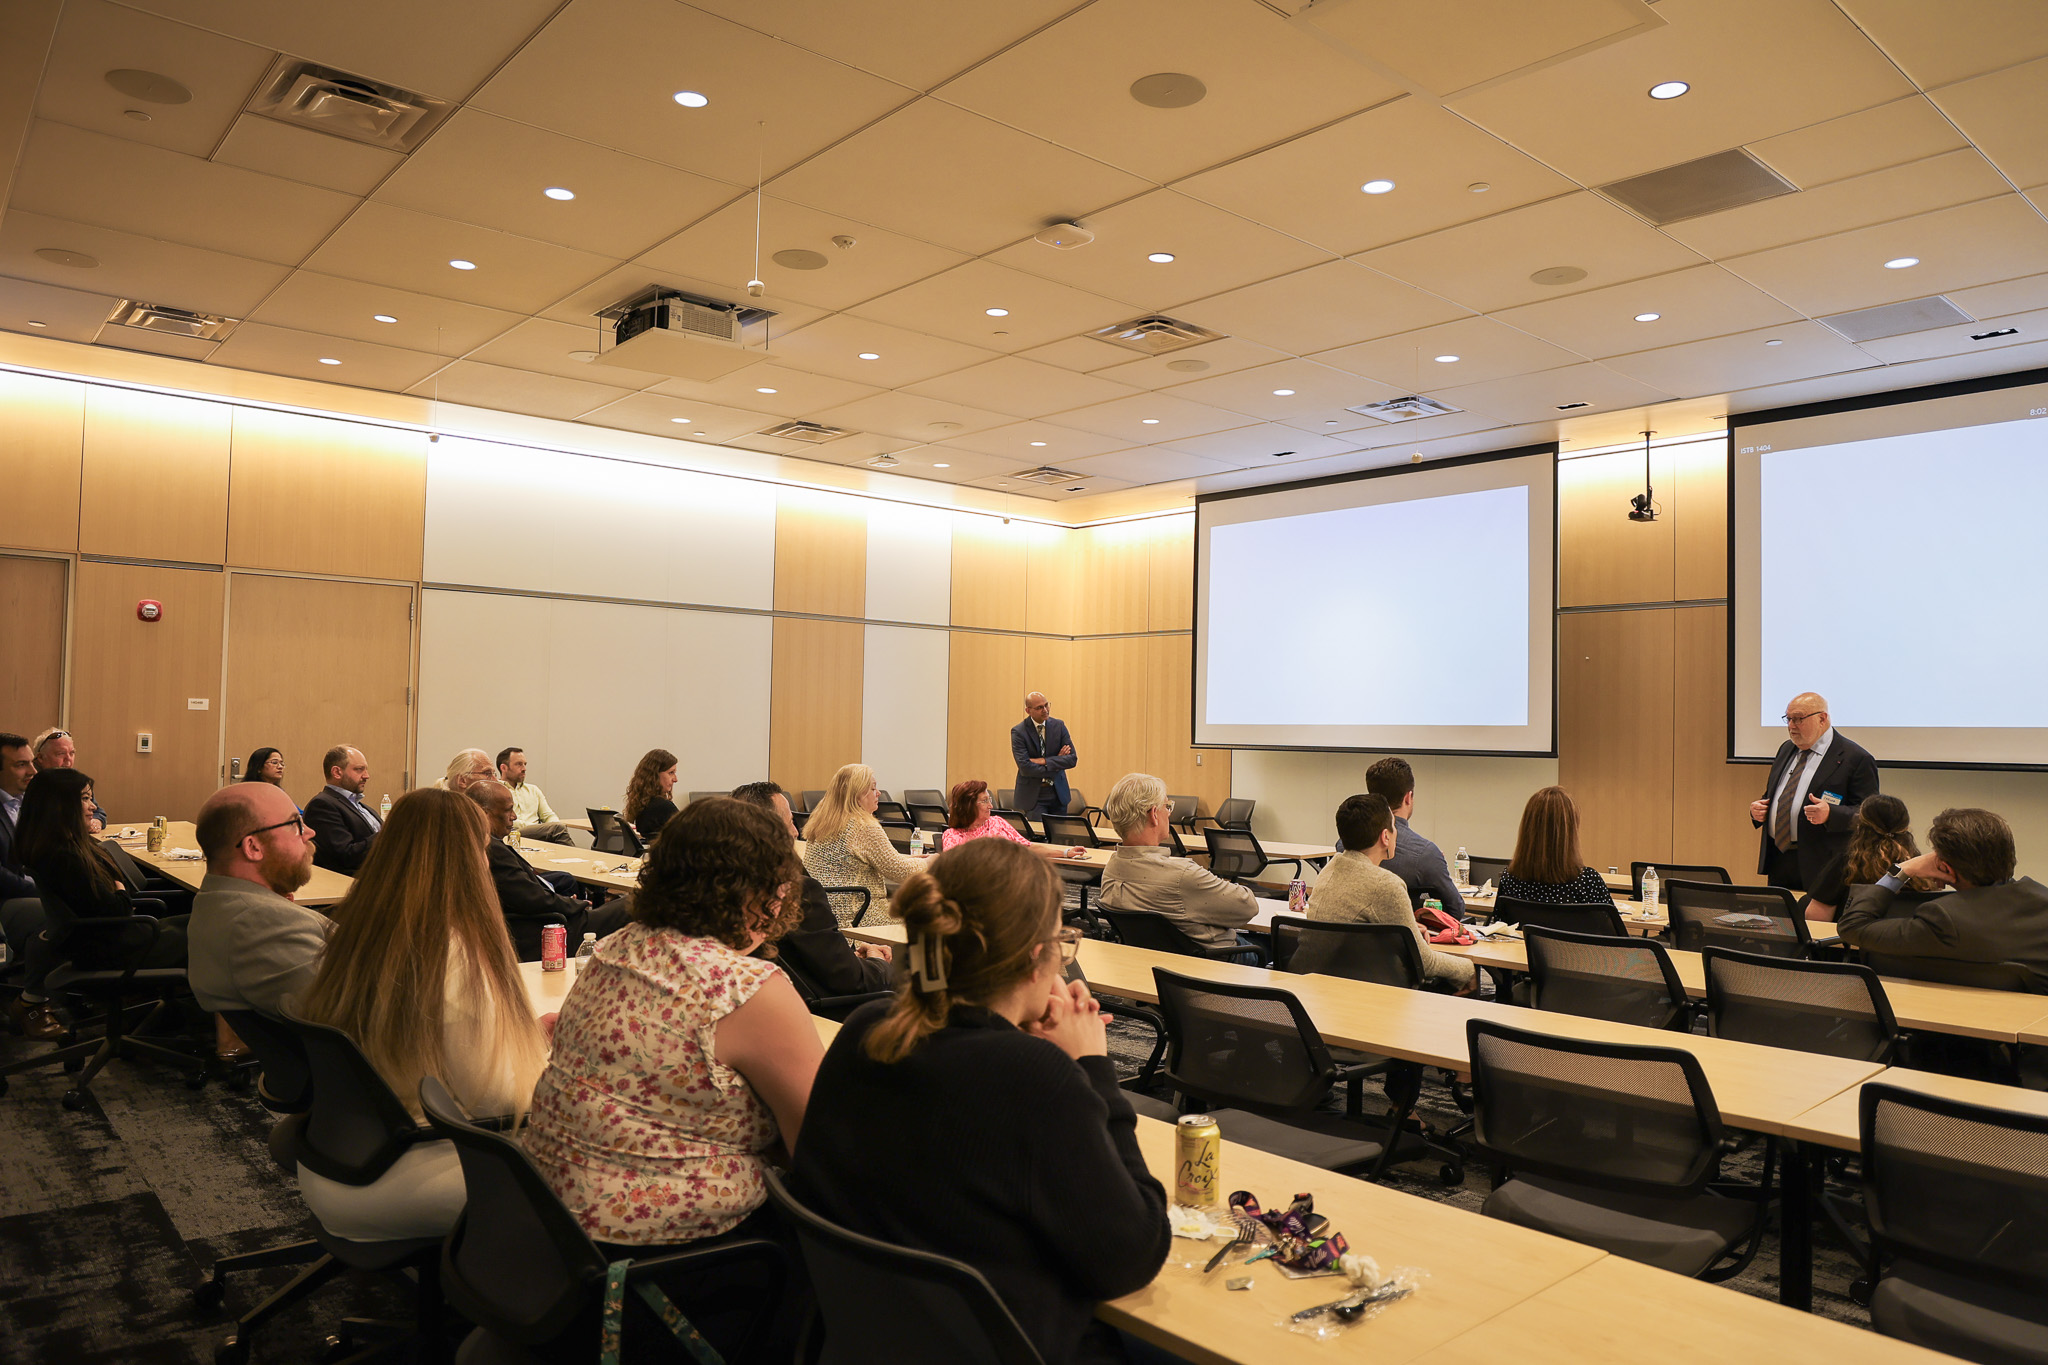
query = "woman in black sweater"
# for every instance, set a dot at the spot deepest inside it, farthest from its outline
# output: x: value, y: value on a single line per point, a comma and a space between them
x: 977, y: 1114
x: 1545, y: 867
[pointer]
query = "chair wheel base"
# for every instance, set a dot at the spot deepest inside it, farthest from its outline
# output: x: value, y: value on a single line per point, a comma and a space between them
x: 196, y: 1081
x: 1451, y: 1176
x: 1859, y: 1292
x: 74, y: 1064
x: 74, y: 1100
x: 233, y: 1351
x: 335, y: 1349
x: 210, y: 1294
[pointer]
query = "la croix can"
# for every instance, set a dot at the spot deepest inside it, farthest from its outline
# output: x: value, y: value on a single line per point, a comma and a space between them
x: 554, y: 947
x: 1198, y: 1162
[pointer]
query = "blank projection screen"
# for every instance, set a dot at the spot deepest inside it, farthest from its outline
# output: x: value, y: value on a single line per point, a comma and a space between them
x: 1891, y: 554
x: 1407, y: 610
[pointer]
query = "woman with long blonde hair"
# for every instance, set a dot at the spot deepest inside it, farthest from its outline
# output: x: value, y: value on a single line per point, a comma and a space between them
x: 420, y: 974
x: 648, y: 804
x: 844, y: 844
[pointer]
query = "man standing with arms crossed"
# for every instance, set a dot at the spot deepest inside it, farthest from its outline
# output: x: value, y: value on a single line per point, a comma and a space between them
x: 1044, y: 751
x: 1818, y: 779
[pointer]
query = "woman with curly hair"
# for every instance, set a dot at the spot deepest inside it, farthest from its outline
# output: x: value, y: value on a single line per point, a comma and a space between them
x: 648, y: 805
x: 679, y: 1061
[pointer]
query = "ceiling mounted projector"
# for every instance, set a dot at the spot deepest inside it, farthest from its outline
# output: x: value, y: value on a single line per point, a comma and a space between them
x: 1065, y: 236
x: 1641, y: 507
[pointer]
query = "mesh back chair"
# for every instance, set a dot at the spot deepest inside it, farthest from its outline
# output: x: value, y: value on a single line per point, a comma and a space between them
x: 1837, y: 1009
x: 142, y: 881
x: 699, y: 796
x: 849, y: 903
x: 882, y: 794
x: 815, y: 998
x: 1749, y: 919
x: 1670, y: 872
x: 1988, y: 976
x: 1604, y: 976
x: 1070, y: 830
x: 924, y: 796
x: 892, y: 812
x: 1184, y: 808
x: 1148, y: 929
x: 1234, y: 813
x: 1006, y: 798
x: 1384, y: 954
x: 1611, y: 1145
x: 928, y: 817
x: 1077, y: 804
x: 1236, y: 856
x: 519, y: 1265
x: 1486, y: 870
x: 879, y: 1301
x: 1957, y: 1196
x: 1016, y: 821
x: 609, y: 833
x: 812, y: 798
x: 1596, y: 917
x: 899, y: 835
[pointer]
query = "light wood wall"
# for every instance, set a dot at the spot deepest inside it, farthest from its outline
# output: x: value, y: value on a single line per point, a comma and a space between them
x: 821, y: 556
x: 42, y: 427
x: 312, y: 495
x: 814, y: 708
x: 155, y: 482
x: 32, y: 661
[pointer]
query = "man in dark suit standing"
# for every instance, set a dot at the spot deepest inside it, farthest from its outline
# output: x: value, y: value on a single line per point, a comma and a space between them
x: 1818, y: 779
x: 1989, y: 917
x: 1044, y: 752
x: 343, y: 824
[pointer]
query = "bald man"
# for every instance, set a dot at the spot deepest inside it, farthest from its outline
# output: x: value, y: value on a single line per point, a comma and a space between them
x: 527, y: 902
x: 1044, y: 751
x: 1818, y: 780
x: 249, y: 944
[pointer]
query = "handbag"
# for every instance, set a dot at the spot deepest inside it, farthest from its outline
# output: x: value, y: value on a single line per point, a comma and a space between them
x: 1439, y: 927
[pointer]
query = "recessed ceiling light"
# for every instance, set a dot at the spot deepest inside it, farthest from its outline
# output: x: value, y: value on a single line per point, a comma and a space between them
x: 557, y: 192
x: 939, y: 464
x: 681, y: 421
x: 1038, y: 443
x: 34, y: 323
x: 997, y: 312
x: 1447, y: 360
x: 1648, y: 317
x: 1478, y: 187
x: 329, y: 360
x: 1283, y: 393
x: 870, y: 355
x: 382, y: 317
x: 1774, y: 341
x: 1332, y: 423
x: 1668, y: 90
x: 690, y: 99
x: 463, y: 265
x: 1151, y: 421
x: 1902, y: 263
x: 696, y: 433
x: 1377, y: 186
x: 1161, y: 258
x: 764, y: 391
x: 583, y: 356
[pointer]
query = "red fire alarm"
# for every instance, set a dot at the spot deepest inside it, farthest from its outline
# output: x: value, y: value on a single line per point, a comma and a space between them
x: 147, y: 610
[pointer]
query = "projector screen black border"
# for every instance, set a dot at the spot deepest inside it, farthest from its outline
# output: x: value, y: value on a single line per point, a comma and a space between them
x: 1954, y: 388
x: 1549, y: 448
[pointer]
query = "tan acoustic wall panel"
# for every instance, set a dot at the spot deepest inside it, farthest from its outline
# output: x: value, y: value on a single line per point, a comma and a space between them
x: 316, y: 662
x: 1701, y: 529
x: 984, y: 698
x: 814, y: 701
x: 1709, y: 795
x: 1113, y: 579
x: 821, y: 547
x: 42, y: 432
x: 155, y: 477
x: 314, y: 495
x: 1048, y: 668
x: 1051, y: 572
x: 1603, y: 557
x: 130, y: 676
x: 988, y: 573
x: 1172, y: 545
x: 32, y: 661
x: 1614, y: 727
x: 1168, y: 670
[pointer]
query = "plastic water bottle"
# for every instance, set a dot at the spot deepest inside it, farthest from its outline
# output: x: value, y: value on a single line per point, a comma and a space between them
x: 384, y: 808
x: 586, y: 950
x: 1464, y: 867
x: 917, y: 842
x: 1650, y: 887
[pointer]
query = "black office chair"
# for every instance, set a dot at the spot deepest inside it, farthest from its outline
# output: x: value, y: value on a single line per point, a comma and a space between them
x: 900, y: 835
x: 1236, y: 855
x: 924, y: 796
x: 879, y: 1301
x: 1838, y: 1009
x: 1015, y: 820
x: 1384, y: 954
x: 611, y: 833
x: 1147, y: 929
x: 1184, y: 811
x: 1486, y: 870
x: 1609, y: 1144
x: 1605, y: 976
x: 892, y: 812
x: 815, y: 998
x: 1071, y: 830
x: 1670, y: 872
x: 1251, y: 1056
x: 1234, y: 813
x: 812, y: 798
x: 928, y: 817
x: 1005, y: 798
x: 1598, y: 918
x: 1957, y: 1196
x: 849, y: 903
x: 143, y: 881
x: 699, y: 796
x: 1748, y: 919
x: 882, y: 794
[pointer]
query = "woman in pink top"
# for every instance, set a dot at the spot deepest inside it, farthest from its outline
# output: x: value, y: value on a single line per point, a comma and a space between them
x: 968, y: 816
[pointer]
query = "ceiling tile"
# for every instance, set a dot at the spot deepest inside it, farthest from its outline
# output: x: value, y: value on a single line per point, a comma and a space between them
x: 722, y: 248
x: 95, y: 37
x: 656, y: 414
x: 478, y: 168
x: 1445, y: 49
x: 155, y: 343
x: 1151, y: 464
x: 1316, y: 392
x: 2032, y: 327
x: 2007, y: 296
x: 1022, y: 388
x: 311, y: 302
x: 1371, y: 434
x: 263, y: 144
x: 1082, y: 353
x: 1742, y: 361
x: 581, y: 306
x: 384, y: 244
x: 1974, y: 244
x: 1896, y: 192
x: 924, y: 41
x: 796, y: 394
x: 1266, y: 442
x: 1071, y: 84
x: 478, y: 385
x: 954, y: 305
x: 135, y: 267
x: 1910, y: 129
x: 1938, y: 44
x: 1535, y: 397
x: 1310, y: 187
x: 1212, y: 251
x: 1323, y: 306
x: 132, y: 187
x: 1757, y: 68
x: 1148, y: 417
x: 607, y: 71
x: 551, y: 347
x: 1094, y: 483
x: 1224, y: 356
x: 1891, y: 378
x: 1022, y: 443
x: 67, y: 314
x: 1485, y: 350
x: 864, y: 446
x: 1691, y: 305
x: 834, y: 346
x: 911, y: 417
x: 279, y: 350
x: 442, y: 50
x: 961, y: 466
x: 2003, y: 114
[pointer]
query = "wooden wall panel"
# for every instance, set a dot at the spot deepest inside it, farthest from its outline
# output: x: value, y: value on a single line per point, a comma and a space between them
x: 984, y: 698
x: 1169, y: 677
x: 1173, y: 573
x: 42, y: 433
x: 1050, y: 573
x: 32, y: 663
x: 316, y: 662
x: 988, y: 573
x: 1109, y: 713
x: 821, y: 559
x: 814, y: 707
x: 1701, y: 525
x: 1615, y: 727
x: 315, y: 495
x: 1048, y: 668
x: 155, y: 477
x: 128, y: 676
x: 1709, y: 796
x: 1603, y: 556
x: 1113, y: 579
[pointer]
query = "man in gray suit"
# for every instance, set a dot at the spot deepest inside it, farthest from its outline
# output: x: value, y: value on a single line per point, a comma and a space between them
x: 249, y: 945
x: 1989, y: 917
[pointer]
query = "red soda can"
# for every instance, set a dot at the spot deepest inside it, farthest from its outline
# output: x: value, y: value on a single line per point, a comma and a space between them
x: 554, y: 947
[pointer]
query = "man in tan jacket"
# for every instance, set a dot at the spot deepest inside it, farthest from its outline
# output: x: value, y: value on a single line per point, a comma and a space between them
x: 1143, y: 874
x: 249, y: 944
x: 1355, y: 889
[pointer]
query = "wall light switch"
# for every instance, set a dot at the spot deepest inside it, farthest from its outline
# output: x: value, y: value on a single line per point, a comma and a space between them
x: 143, y: 742
x: 197, y: 703
x: 1198, y: 760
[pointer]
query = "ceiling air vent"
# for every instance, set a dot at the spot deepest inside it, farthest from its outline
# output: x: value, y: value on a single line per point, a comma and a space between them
x: 1898, y: 319
x: 814, y: 433
x: 1404, y: 409
x: 345, y: 105
x: 1046, y: 474
x: 1693, y: 189
x: 1155, y: 335
x: 175, y: 322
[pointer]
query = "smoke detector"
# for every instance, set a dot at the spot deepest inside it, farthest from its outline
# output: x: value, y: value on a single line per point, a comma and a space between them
x: 1404, y: 409
x: 883, y: 462
x: 341, y: 104
x: 1155, y: 335
x: 1064, y: 236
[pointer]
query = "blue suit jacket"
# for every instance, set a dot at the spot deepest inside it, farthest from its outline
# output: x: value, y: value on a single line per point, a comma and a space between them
x: 1024, y: 748
x: 14, y: 884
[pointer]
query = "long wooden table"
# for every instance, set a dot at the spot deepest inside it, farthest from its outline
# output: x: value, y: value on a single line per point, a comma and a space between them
x: 325, y: 888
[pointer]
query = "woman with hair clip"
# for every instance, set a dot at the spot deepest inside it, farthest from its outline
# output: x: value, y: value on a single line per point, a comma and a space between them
x: 1882, y: 834
x: 977, y: 1115
x: 844, y: 845
x: 420, y: 974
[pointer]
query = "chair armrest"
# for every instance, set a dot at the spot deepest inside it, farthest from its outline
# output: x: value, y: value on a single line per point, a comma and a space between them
x: 696, y: 1258
x: 867, y: 898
